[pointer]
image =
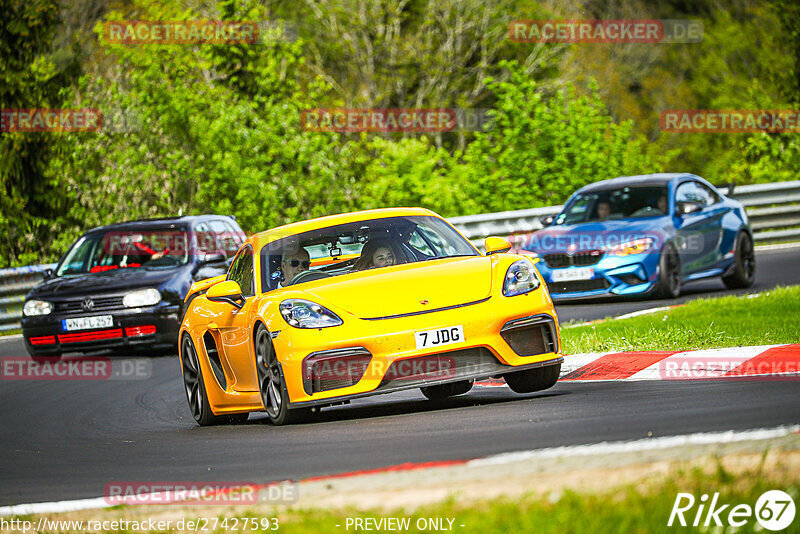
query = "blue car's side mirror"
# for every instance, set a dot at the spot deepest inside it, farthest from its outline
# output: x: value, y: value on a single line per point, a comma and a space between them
x: 687, y: 207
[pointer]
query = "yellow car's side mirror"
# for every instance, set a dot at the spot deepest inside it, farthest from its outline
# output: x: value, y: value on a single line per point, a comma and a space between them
x: 227, y: 291
x: 493, y: 245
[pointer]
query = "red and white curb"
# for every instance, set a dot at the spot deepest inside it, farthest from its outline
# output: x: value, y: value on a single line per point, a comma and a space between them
x: 777, y: 362
x: 593, y: 449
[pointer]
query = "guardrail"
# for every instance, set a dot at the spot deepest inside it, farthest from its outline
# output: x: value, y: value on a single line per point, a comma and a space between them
x: 774, y: 211
x: 14, y: 285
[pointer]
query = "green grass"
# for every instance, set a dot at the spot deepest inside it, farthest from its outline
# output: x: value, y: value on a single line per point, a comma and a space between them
x: 627, y: 509
x: 773, y: 317
x: 10, y: 332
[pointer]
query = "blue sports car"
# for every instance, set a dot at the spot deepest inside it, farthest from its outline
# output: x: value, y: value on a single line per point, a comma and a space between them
x: 644, y: 235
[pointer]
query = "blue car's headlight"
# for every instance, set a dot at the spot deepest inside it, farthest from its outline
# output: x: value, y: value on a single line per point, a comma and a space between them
x: 520, y: 279
x: 306, y: 314
x: 636, y: 246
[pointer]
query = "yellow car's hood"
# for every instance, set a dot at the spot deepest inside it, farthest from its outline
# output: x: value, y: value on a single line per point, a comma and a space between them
x: 404, y: 289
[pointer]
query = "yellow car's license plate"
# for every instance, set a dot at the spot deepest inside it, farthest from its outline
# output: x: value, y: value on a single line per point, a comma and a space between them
x: 439, y: 336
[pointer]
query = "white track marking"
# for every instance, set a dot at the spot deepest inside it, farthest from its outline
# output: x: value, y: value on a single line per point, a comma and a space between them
x: 621, y: 447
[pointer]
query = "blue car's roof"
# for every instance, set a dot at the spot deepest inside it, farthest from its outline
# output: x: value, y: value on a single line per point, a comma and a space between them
x: 644, y: 179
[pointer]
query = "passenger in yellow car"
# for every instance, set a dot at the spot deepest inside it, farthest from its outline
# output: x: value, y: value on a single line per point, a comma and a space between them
x: 376, y: 253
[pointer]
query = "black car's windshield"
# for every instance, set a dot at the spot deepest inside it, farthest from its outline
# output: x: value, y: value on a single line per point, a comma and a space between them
x: 619, y: 203
x: 359, y: 246
x: 154, y: 248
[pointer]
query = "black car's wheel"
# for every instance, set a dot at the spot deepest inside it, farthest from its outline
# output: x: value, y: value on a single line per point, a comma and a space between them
x: 532, y: 380
x: 196, y: 388
x: 272, y: 384
x: 744, y: 271
x: 443, y: 391
x: 668, y: 285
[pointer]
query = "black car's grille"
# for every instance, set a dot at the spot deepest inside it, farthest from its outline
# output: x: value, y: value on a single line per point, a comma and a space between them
x: 580, y: 259
x: 578, y: 285
x: 98, y: 304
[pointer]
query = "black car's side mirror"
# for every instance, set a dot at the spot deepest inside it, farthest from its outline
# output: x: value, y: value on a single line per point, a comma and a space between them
x: 547, y: 220
x: 687, y: 207
x: 213, y: 258
x: 47, y: 274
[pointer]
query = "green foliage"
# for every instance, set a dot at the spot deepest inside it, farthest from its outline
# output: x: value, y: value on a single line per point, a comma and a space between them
x: 540, y: 149
x: 216, y: 127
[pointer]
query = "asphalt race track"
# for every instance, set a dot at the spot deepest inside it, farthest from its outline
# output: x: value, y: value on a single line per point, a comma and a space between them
x: 68, y: 439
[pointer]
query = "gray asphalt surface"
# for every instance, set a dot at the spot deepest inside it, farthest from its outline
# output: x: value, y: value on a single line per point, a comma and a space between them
x: 67, y: 439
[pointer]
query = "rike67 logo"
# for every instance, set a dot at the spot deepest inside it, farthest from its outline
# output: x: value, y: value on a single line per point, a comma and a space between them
x: 774, y: 510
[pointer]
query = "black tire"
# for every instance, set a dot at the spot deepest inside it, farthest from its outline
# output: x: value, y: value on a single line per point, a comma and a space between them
x: 533, y: 379
x: 668, y: 285
x: 443, y: 391
x: 744, y: 272
x: 195, y: 388
x: 272, y: 385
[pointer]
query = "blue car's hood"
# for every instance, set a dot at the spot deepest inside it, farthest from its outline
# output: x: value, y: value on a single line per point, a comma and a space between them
x: 599, y: 235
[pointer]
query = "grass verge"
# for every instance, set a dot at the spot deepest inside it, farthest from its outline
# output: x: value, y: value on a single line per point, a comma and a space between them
x: 769, y: 318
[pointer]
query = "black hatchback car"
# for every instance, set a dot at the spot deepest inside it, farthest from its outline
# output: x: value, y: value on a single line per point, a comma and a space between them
x: 122, y: 286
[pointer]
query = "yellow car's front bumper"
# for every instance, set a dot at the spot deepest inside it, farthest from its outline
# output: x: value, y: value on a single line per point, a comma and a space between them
x: 378, y: 346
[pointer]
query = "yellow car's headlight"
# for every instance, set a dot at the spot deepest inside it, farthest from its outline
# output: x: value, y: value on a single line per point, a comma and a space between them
x: 520, y: 279
x: 301, y: 313
x: 636, y: 246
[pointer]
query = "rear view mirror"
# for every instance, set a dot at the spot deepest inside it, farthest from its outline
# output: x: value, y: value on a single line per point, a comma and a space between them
x: 495, y: 245
x: 547, y: 220
x: 687, y: 207
x: 227, y: 291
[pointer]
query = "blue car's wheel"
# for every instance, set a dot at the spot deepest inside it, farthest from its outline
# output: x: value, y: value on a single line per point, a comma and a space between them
x: 744, y: 271
x: 668, y: 285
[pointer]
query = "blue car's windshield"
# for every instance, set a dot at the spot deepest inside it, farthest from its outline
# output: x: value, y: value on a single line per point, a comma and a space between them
x: 619, y: 203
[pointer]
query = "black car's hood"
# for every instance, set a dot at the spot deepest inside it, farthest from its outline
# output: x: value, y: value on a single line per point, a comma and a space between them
x: 118, y: 280
x: 597, y: 235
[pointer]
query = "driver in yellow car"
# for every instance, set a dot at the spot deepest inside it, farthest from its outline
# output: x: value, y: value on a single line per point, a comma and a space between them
x: 294, y: 264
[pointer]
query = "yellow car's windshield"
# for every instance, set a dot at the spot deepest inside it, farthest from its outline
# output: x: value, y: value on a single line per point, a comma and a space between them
x: 359, y: 246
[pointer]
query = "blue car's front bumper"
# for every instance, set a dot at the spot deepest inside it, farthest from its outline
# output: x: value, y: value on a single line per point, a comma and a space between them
x: 635, y: 274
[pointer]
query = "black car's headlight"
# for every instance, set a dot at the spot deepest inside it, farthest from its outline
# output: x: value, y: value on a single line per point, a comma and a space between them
x: 306, y: 314
x: 142, y: 297
x: 520, y: 279
x: 33, y: 308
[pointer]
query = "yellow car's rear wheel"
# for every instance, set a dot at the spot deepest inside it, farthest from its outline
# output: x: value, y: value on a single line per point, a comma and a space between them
x: 272, y: 384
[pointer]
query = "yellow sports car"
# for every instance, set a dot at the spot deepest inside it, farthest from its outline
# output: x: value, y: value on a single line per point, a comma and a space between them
x: 319, y: 312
